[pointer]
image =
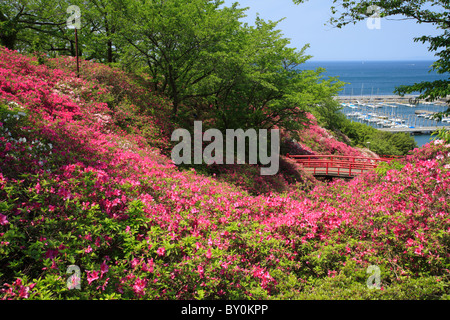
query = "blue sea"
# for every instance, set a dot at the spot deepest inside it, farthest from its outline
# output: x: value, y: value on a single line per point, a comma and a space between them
x: 377, y: 78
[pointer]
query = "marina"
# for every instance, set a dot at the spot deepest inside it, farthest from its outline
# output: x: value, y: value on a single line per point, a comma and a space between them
x: 395, y: 113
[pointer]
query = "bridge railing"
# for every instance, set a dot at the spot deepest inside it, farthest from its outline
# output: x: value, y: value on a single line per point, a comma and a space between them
x: 333, y: 157
x: 336, y: 164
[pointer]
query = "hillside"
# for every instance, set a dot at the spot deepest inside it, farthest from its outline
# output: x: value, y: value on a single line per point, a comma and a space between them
x: 85, y: 180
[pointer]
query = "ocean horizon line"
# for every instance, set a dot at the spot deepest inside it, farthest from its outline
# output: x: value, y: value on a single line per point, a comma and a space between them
x: 406, y: 60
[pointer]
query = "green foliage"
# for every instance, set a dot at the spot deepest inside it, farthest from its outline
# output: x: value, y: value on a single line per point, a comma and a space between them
x: 344, y: 287
x: 329, y: 116
x: 266, y: 88
x: 30, y: 26
x: 386, y: 143
x: 41, y: 26
x: 443, y: 134
x: 179, y: 43
x: 384, y: 167
x: 12, y: 116
x: 236, y: 75
x: 380, y: 142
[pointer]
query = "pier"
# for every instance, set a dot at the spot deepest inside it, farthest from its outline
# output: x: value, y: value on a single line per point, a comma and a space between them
x: 406, y: 100
x: 422, y: 130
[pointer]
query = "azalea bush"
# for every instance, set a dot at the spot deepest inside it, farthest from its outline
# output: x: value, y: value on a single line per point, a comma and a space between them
x: 136, y: 108
x: 319, y: 140
x: 248, y: 177
x: 78, y: 190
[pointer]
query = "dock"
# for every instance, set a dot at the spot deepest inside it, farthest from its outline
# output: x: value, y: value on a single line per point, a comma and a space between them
x: 406, y: 99
x: 412, y: 130
x: 424, y: 112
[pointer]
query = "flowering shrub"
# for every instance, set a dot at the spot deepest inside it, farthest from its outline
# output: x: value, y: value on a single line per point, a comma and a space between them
x: 137, y: 110
x: 248, y: 177
x: 77, y: 189
x: 317, y: 140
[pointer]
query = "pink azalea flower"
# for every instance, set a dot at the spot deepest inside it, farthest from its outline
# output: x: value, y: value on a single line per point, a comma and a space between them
x: 3, y: 220
x: 51, y: 253
x: 103, y: 268
x: 91, y: 276
x: 161, y: 251
x: 200, y: 270
x: 23, y: 292
x: 38, y: 188
x: 8, y: 146
x: 419, y: 250
x: 139, y: 286
x: 135, y: 262
x: 148, y: 267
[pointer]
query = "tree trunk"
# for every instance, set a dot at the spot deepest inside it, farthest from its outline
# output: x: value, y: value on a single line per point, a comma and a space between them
x: 8, y: 40
x: 174, y: 91
x: 109, y: 53
x: 8, y: 33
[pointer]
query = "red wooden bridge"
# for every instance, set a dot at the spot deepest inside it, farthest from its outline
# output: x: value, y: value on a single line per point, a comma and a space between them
x: 338, y: 166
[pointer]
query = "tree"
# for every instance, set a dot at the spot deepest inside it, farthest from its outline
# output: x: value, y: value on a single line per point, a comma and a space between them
x: 436, y: 12
x: 266, y: 88
x: 203, y: 57
x: 41, y: 25
x: 22, y: 22
x: 180, y: 43
x: 100, y: 27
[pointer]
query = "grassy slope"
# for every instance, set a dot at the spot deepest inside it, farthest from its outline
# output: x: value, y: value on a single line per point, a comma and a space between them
x: 83, y: 182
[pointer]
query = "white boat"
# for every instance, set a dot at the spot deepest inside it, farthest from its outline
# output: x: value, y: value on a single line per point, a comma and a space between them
x: 397, y: 120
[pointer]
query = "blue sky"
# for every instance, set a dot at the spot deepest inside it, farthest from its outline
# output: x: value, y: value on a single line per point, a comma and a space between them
x: 305, y: 23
